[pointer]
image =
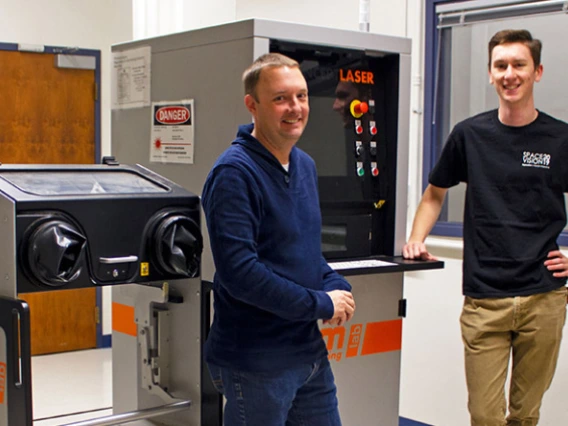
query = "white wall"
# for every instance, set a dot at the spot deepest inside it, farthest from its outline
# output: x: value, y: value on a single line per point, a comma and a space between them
x: 154, y: 18
x: 387, y: 16
x: 433, y: 378
x: 433, y: 381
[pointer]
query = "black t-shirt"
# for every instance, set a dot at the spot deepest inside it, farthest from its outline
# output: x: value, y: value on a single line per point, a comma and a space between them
x: 514, y: 204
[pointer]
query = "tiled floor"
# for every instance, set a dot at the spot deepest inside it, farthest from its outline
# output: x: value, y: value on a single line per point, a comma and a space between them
x: 76, y: 386
x: 72, y: 383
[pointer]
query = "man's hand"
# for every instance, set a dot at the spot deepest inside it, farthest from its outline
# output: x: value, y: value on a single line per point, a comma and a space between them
x: 343, y: 307
x: 416, y: 250
x: 557, y: 263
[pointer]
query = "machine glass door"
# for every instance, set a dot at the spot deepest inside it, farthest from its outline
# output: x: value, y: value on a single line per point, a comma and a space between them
x: 80, y: 183
x: 352, y: 128
x: 352, y: 135
x: 345, y: 237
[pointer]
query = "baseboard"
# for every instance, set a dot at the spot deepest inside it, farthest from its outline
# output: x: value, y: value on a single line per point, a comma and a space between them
x: 407, y: 422
x: 107, y: 341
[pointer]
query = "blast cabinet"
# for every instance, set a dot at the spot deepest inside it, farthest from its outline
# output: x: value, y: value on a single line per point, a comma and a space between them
x: 77, y: 226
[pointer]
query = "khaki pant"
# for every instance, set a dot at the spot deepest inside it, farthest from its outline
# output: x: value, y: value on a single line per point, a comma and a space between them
x: 528, y: 326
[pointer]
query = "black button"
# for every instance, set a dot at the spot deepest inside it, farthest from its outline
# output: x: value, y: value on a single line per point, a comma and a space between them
x: 287, y: 179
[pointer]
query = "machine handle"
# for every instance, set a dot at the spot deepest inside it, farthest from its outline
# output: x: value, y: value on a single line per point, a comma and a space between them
x: 118, y: 419
x: 17, y: 376
x: 207, y: 286
x: 206, y: 311
x: 212, y: 400
x: 115, y: 260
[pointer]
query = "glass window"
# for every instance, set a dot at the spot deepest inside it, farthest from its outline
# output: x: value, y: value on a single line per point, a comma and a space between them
x: 457, y: 74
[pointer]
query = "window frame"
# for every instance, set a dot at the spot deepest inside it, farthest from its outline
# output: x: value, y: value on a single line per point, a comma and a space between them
x: 442, y: 228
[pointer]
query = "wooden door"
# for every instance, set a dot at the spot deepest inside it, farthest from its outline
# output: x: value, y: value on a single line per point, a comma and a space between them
x: 47, y: 116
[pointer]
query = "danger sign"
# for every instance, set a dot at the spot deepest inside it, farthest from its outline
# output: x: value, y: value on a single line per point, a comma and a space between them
x: 171, y: 139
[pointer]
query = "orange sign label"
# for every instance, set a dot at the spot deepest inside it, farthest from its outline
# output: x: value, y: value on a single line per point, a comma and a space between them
x: 363, y: 339
x: 2, y: 381
x: 356, y: 76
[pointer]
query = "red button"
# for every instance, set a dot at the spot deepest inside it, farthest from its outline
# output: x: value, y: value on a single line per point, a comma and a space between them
x: 361, y: 108
x: 359, y: 129
x: 373, y: 130
x: 375, y: 171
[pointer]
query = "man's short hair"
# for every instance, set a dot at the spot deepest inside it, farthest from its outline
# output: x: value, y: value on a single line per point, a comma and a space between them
x: 251, y: 76
x: 516, y: 36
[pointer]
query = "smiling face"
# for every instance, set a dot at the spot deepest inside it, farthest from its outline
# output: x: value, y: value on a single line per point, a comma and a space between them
x: 281, y: 107
x: 512, y: 72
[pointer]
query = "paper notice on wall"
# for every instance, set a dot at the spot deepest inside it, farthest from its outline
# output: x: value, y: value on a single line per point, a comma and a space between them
x: 131, y: 78
x: 171, y: 139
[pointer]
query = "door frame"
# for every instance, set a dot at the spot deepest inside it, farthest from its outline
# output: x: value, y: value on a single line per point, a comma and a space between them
x: 102, y: 341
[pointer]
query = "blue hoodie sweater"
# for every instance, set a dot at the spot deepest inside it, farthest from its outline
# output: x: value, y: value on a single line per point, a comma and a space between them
x: 271, y: 278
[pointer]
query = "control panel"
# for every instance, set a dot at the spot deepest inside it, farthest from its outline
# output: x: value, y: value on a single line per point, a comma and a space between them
x: 352, y: 135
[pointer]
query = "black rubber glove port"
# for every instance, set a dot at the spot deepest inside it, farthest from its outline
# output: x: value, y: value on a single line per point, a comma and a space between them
x: 55, y: 252
x: 178, y: 245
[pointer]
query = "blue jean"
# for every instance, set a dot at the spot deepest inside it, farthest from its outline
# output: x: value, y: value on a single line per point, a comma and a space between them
x: 301, y: 396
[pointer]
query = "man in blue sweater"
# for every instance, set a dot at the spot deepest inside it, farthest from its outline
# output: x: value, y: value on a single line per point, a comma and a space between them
x: 265, y: 351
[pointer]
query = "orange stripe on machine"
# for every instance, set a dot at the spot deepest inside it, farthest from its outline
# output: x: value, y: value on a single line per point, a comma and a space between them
x: 385, y: 336
x: 123, y: 319
x: 363, y: 339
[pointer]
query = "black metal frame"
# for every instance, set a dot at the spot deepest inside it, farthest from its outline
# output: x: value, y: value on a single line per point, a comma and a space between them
x: 15, y: 321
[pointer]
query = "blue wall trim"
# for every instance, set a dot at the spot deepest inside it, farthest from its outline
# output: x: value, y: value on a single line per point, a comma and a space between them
x: 407, y: 422
x: 106, y: 341
x: 98, y: 124
x: 448, y: 229
x: 429, y: 80
x: 8, y: 46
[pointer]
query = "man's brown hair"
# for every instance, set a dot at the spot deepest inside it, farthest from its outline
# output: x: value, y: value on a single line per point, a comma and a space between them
x: 251, y: 76
x: 516, y: 36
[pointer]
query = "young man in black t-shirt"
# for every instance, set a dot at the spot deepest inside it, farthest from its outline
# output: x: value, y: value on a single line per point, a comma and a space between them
x: 513, y: 160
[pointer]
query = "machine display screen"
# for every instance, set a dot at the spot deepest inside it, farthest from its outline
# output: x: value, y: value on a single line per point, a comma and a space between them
x: 80, y: 182
x: 333, y: 238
